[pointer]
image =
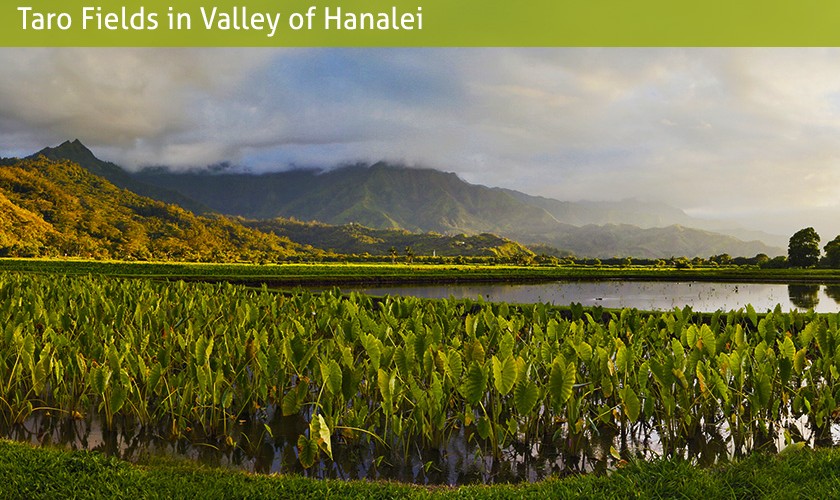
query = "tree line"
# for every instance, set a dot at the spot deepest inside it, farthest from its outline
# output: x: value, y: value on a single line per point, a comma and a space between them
x: 804, y: 250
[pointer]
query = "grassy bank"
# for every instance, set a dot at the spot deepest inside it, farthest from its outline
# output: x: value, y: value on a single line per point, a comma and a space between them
x: 365, y: 273
x: 48, y: 473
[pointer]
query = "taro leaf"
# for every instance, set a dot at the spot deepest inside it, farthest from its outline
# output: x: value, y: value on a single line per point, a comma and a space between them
x: 332, y: 377
x: 679, y: 352
x: 483, y: 427
x: 118, y: 397
x: 291, y: 405
x: 707, y: 336
x: 307, y: 451
x: 584, y: 351
x: 799, y: 361
x: 475, y: 383
x: 41, y: 371
x: 373, y: 351
x: 560, y: 381
x: 471, y: 324
x: 506, y: 346
x: 787, y: 349
x: 113, y: 359
x: 319, y: 429
x: 504, y: 374
x: 631, y: 404
x: 785, y: 366
x: 763, y: 389
x: 27, y: 351
x: 752, y: 315
x: 521, y: 369
x: 760, y: 351
x: 203, y: 350
x: 623, y: 359
x: 386, y: 388
x: 99, y: 378
x: 436, y: 392
x: 154, y: 376
x: 475, y: 351
x: 455, y: 367
x: 525, y: 397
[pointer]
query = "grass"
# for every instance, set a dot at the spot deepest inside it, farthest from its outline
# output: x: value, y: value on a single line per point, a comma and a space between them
x: 366, y: 273
x: 29, y: 472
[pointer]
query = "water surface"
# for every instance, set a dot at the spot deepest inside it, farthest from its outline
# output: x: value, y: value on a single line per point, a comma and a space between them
x: 644, y: 295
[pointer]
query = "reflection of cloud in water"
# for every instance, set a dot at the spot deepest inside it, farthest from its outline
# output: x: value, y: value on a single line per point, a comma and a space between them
x: 646, y: 295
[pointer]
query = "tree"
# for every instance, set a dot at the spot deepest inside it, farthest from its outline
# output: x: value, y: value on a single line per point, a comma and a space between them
x: 804, y: 248
x: 832, y: 252
x: 393, y: 252
x: 409, y: 254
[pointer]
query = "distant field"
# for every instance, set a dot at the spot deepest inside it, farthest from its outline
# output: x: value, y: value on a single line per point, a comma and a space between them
x: 366, y: 273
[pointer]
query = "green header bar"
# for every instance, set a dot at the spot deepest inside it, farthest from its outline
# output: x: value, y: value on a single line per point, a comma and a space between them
x: 429, y: 23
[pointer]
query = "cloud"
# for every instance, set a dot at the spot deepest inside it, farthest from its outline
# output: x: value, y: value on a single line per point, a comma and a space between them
x: 746, y: 134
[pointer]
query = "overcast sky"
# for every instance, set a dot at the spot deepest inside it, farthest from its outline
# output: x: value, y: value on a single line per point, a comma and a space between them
x: 747, y: 135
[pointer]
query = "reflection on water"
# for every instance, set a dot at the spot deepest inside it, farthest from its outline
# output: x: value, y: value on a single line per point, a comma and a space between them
x: 461, y: 458
x: 644, y: 295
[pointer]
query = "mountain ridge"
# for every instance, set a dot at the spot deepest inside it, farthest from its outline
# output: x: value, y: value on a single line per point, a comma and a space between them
x: 386, y: 196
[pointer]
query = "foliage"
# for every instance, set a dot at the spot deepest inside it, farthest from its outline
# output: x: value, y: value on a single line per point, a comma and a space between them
x: 404, y: 370
x: 804, y: 248
x: 358, y: 239
x: 832, y: 253
x: 60, y: 209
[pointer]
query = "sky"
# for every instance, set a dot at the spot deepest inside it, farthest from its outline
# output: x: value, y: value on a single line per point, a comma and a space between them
x: 749, y: 137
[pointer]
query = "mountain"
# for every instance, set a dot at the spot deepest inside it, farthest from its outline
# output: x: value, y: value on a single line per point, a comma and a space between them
x: 357, y: 239
x: 620, y: 240
x: 78, y: 153
x: 385, y: 196
x: 56, y: 208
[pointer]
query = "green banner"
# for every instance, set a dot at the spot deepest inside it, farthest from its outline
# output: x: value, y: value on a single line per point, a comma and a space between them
x: 405, y: 23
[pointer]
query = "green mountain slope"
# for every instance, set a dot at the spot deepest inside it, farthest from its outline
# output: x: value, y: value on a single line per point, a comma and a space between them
x: 390, y: 197
x: 380, y: 196
x: 622, y: 240
x: 357, y: 239
x: 78, y: 153
x: 59, y: 208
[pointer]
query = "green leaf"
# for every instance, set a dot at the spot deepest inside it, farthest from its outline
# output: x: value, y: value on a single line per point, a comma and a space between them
x: 763, y: 389
x: 623, y: 359
x: 560, y: 381
x: 787, y: 349
x: 319, y: 429
x: 99, y: 378
x: 799, y: 361
x: 483, y: 427
x: 291, y: 405
x: 475, y: 383
x: 752, y: 315
x: 118, y: 397
x: 307, y: 451
x: 504, y: 374
x: 584, y: 351
x: 506, y: 346
x: 386, y: 388
x: 525, y: 397
x: 707, y: 337
x: 332, y: 377
x: 632, y: 406
x: 455, y: 367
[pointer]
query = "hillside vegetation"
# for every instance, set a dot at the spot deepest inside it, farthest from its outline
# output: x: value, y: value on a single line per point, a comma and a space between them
x: 384, y: 196
x: 57, y: 208
x: 393, y: 243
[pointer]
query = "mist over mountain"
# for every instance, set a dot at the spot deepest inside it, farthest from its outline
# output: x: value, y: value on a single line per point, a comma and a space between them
x: 386, y: 196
